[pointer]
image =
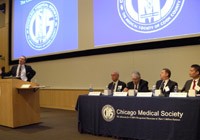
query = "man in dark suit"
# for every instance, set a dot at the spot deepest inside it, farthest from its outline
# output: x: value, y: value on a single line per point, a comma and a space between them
x: 116, y: 85
x: 21, y: 71
x: 165, y: 84
x: 137, y: 83
x: 194, y: 83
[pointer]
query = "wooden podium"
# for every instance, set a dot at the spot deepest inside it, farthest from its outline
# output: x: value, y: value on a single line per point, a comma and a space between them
x: 18, y: 106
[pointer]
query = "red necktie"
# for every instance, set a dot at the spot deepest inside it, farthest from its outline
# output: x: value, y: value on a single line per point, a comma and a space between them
x: 194, y: 84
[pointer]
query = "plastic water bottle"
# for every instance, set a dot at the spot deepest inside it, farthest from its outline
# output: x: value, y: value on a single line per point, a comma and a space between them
x: 153, y: 89
x: 135, y: 92
x: 106, y: 91
x: 91, y: 88
x: 106, y: 88
x: 175, y: 88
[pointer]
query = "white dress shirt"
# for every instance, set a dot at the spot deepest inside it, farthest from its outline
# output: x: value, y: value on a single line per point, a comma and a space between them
x: 165, y: 88
x: 136, y: 86
x: 165, y: 82
x: 23, y: 72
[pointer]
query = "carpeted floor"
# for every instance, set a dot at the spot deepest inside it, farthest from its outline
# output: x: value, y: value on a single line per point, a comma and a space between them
x: 55, y: 125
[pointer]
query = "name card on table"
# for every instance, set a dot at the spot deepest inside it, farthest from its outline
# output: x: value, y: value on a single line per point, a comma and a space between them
x: 94, y: 93
x: 192, y: 93
x: 144, y: 94
x: 178, y: 94
x: 120, y: 94
x: 25, y: 86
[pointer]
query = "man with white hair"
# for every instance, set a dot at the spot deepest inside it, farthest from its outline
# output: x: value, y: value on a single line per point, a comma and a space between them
x: 137, y: 83
x: 116, y: 85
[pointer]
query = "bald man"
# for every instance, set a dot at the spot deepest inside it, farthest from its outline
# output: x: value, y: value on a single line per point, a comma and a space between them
x: 137, y: 83
x: 116, y: 85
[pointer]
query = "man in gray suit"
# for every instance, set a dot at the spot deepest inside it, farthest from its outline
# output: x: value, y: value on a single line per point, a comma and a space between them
x: 194, y: 83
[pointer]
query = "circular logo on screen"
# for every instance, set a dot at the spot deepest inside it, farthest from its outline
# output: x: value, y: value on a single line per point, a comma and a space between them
x: 108, y: 113
x: 42, y: 25
x: 147, y: 16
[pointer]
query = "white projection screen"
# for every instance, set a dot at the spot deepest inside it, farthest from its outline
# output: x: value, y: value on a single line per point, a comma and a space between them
x: 41, y: 27
x: 119, y: 22
x: 55, y: 29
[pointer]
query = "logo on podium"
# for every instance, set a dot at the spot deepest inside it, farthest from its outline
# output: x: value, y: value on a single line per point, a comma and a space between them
x: 42, y: 25
x: 147, y: 16
x: 108, y: 113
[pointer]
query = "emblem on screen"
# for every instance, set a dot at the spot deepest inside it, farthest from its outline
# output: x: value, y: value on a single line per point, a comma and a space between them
x: 108, y: 113
x: 42, y: 25
x: 147, y: 16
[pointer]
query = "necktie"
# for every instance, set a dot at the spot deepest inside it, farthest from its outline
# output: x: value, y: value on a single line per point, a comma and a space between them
x: 113, y: 87
x: 135, y: 87
x: 20, y: 71
x: 162, y: 85
x: 194, y: 84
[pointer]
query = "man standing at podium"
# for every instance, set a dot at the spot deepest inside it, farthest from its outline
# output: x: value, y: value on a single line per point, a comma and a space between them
x: 21, y: 71
x: 116, y: 84
x: 194, y: 83
x: 165, y: 84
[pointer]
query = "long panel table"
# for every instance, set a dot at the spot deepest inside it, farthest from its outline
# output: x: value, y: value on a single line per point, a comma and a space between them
x: 156, y: 118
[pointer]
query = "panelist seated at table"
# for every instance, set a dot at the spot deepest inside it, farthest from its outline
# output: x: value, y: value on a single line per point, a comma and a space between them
x: 21, y: 71
x: 137, y: 83
x: 194, y: 83
x: 165, y: 84
x: 116, y: 85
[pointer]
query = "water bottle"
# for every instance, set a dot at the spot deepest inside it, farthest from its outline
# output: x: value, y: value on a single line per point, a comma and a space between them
x: 106, y: 88
x: 91, y: 88
x: 135, y: 92
x: 175, y: 88
x: 153, y: 89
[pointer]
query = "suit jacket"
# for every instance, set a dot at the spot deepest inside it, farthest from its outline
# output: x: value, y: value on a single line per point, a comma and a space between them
x: 120, y: 83
x: 143, y: 86
x: 187, y: 86
x: 30, y: 73
x: 171, y: 84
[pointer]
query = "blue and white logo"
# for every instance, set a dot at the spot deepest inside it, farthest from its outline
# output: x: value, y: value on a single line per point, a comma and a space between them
x: 42, y: 25
x: 147, y: 16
